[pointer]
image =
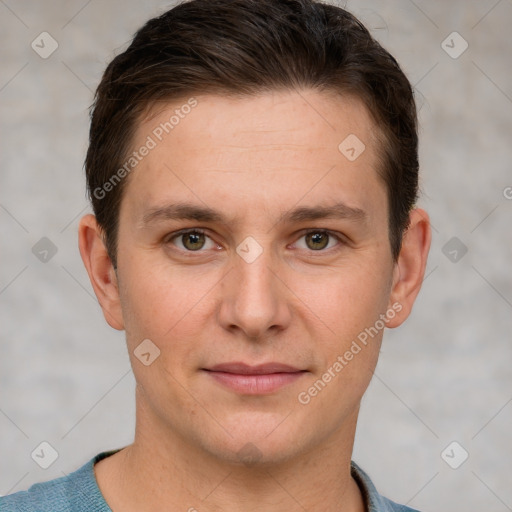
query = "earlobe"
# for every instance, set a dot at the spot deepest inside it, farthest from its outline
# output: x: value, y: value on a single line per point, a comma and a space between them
x: 409, y: 270
x: 100, y: 269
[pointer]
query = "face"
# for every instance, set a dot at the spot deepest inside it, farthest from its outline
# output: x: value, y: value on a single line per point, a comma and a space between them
x: 255, y: 257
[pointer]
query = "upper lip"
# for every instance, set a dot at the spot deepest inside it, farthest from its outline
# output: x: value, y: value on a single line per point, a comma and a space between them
x: 260, y: 369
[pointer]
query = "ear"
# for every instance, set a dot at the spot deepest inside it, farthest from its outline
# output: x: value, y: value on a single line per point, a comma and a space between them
x: 100, y: 269
x: 410, y: 267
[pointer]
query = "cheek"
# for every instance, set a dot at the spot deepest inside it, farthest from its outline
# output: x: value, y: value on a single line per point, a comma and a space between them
x: 165, y: 305
x: 347, y: 299
x: 350, y: 305
x: 145, y: 300
x: 160, y: 308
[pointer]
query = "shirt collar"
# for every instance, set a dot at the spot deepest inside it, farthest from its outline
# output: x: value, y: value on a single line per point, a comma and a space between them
x: 374, y: 502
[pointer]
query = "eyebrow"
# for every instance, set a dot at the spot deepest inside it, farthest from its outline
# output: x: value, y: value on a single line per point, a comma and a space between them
x: 190, y: 211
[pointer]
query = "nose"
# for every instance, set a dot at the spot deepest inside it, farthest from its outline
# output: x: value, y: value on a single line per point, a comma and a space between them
x: 254, y: 298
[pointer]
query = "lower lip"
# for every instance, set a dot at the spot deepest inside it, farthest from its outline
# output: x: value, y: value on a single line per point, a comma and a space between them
x: 255, y: 384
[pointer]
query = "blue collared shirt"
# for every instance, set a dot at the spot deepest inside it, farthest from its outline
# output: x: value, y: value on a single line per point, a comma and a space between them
x: 79, y: 492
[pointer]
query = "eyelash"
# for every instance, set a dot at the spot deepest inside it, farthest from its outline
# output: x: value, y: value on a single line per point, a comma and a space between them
x: 341, y: 241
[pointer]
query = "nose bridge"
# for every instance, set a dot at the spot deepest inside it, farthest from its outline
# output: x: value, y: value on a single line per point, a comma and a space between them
x: 254, y: 300
x: 256, y: 277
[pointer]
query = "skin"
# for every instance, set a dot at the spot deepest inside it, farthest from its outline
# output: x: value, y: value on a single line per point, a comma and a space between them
x: 303, y: 304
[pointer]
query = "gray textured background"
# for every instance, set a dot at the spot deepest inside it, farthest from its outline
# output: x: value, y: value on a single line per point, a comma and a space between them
x: 444, y: 376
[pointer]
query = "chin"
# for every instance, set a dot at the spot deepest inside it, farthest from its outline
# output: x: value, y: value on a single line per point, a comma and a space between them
x: 254, y: 454
x: 258, y: 440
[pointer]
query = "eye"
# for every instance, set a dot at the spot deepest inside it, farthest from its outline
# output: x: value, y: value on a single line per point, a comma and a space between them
x: 192, y: 240
x: 196, y: 240
x: 319, y: 239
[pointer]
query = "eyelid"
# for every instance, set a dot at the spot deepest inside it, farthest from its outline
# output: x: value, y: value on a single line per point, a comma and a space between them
x: 184, y: 231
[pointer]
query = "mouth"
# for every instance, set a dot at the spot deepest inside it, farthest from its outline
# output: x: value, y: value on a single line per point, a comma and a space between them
x: 261, y: 379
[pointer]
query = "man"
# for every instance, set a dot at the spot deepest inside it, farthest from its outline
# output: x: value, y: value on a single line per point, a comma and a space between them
x: 253, y: 172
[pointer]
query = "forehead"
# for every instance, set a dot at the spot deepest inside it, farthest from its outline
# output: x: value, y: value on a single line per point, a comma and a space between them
x: 273, y: 146
x: 302, y: 115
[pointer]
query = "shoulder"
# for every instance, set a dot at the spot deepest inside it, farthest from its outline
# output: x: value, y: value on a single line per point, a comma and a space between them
x: 374, y: 501
x: 76, y: 492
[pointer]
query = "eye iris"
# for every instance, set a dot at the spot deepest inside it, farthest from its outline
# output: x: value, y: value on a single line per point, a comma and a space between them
x: 319, y: 240
x: 191, y: 239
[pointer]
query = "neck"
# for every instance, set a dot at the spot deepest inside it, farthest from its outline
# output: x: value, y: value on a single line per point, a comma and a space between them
x: 162, y: 471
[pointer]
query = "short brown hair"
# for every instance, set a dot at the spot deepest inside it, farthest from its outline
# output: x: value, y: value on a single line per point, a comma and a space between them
x: 245, y: 47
